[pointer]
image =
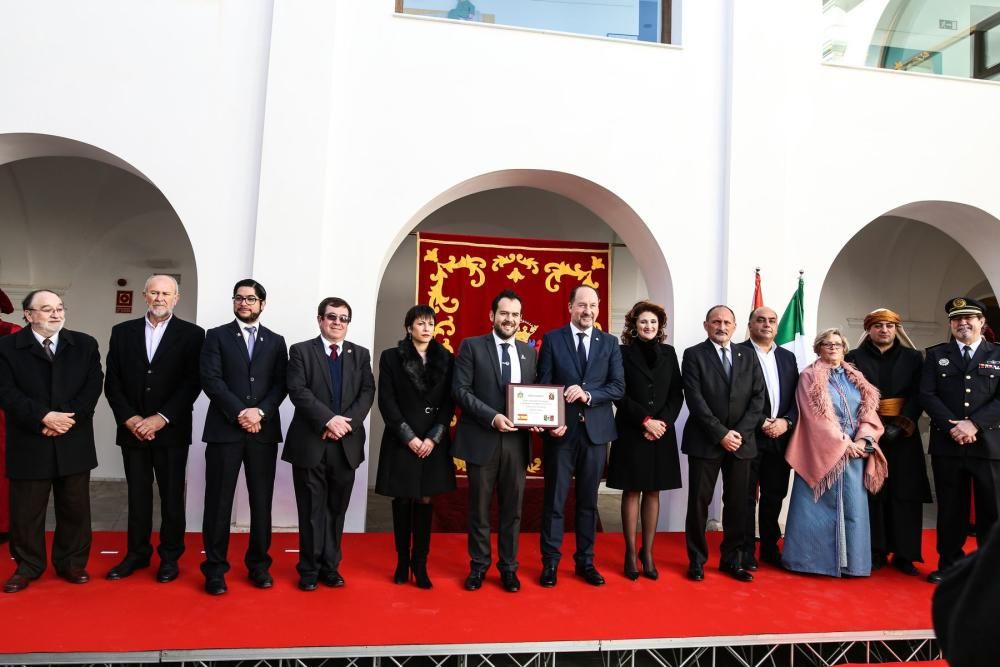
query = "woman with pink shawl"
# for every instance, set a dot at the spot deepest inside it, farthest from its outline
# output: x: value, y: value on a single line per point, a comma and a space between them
x: 835, y: 455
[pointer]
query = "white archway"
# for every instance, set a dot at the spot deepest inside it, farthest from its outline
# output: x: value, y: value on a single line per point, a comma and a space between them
x: 524, y: 203
x: 78, y: 219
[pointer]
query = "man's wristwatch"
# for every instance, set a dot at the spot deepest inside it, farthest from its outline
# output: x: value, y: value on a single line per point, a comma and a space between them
x: 260, y: 412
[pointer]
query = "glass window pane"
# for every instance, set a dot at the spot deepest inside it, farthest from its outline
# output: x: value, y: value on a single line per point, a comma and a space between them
x: 623, y: 19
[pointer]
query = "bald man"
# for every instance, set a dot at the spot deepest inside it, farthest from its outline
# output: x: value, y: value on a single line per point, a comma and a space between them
x: 152, y: 383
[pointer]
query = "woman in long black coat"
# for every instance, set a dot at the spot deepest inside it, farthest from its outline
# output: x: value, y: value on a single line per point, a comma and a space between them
x: 414, y: 397
x: 644, y: 459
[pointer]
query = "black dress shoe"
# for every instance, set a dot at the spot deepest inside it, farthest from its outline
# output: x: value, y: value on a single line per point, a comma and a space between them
x: 4, y: 538
x: 905, y: 566
x: 75, y: 575
x: 590, y: 574
x: 16, y: 583
x: 510, y: 582
x: 548, y: 578
x: 771, y: 558
x: 167, y: 572
x: 474, y: 581
x: 215, y: 586
x: 750, y: 563
x: 696, y: 572
x: 126, y: 568
x: 332, y: 579
x: 737, y: 573
x: 307, y: 584
x: 648, y: 566
x: 935, y: 577
x: 261, y: 579
x: 630, y: 569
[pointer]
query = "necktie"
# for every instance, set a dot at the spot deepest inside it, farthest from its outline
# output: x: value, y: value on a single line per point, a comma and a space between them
x: 251, y: 339
x: 333, y: 351
x: 504, y: 364
x: 581, y: 353
x: 48, y: 349
x: 726, y: 364
x: 966, y: 355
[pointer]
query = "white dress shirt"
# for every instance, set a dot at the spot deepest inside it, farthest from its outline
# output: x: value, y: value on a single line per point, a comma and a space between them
x: 41, y: 340
x: 769, y: 364
x: 154, y: 334
x: 515, y: 359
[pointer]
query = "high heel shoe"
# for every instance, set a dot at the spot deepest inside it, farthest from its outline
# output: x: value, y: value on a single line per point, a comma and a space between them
x: 631, y: 571
x: 648, y: 566
x: 402, y: 573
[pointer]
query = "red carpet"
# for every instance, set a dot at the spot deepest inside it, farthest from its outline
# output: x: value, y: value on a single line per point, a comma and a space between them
x: 141, y: 614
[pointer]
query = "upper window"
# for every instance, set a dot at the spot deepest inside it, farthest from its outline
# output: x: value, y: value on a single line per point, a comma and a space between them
x: 637, y: 20
x: 949, y: 37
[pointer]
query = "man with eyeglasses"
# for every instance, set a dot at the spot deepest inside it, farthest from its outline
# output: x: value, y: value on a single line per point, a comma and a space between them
x: 243, y: 367
x: 960, y: 392
x: 885, y: 356
x: 152, y: 385
x: 331, y: 385
x: 50, y: 382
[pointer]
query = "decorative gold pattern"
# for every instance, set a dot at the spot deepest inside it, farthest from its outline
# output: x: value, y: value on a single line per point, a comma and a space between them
x: 535, y: 465
x: 557, y: 270
x: 435, y: 294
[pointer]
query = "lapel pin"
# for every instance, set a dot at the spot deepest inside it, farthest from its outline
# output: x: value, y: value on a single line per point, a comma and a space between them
x: 943, y: 362
x: 350, y: 351
x: 522, y: 356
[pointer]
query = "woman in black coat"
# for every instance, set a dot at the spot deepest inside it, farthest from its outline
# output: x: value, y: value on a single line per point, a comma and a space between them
x: 414, y: 397
x: 644, y: 459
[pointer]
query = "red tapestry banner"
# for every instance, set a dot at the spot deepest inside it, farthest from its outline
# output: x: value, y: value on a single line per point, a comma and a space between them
x: 458, y: 276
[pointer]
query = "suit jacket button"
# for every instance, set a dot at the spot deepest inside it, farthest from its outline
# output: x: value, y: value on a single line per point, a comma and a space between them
x: 251, y: 379
x: 650, y: 402
x: 149, y: 389
x: 248, y: 397
x: 966, y: 404
x: 149, y: 372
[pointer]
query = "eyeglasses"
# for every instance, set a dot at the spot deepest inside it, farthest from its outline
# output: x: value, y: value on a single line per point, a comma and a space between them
x: 250, y: 300
x: 48, y: 310
x: 334, y: 317
x: 832, y: 346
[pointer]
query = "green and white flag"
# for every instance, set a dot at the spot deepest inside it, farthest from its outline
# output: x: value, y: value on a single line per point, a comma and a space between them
x: 792, y: 328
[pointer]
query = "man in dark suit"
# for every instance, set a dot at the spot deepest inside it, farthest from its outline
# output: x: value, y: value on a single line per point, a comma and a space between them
x: 725, y: 392
x: 331, y: 385
x: 494, y: 449
x: 50, y: 381
x: 887, y: 359
x: 243, y: 367
x: 152, y: 385
x: 588, y: 363
x: 960, y: 392
x: 768, y: 469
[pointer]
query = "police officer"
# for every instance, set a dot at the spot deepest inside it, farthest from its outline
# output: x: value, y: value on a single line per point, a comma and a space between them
x: 960, y: 391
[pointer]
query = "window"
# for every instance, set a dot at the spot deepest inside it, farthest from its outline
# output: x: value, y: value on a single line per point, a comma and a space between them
x: 637, y: 20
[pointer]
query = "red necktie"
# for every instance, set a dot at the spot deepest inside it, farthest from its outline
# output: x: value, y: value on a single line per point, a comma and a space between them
x: 333, y: 352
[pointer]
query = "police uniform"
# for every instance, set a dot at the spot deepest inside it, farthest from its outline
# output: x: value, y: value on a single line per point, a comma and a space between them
x: 952, y: 388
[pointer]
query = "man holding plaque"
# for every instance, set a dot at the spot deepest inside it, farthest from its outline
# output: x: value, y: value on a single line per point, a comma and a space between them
x: 495, y: 451
x: 587, y: 363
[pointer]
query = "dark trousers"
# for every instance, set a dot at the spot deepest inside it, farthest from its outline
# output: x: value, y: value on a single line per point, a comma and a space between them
x: 576, y: 456
x: 702, y: 476
x: 505, y: 472
x: 71, y: 543
x: 167, y: 465
x: 896, y: 525
x: 769, y: 471
x: 222, y: 470
x: 322, y: 494
x: 952, y: 477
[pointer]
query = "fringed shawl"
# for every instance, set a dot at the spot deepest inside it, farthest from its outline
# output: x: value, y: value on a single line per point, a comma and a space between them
x: 817, y: 450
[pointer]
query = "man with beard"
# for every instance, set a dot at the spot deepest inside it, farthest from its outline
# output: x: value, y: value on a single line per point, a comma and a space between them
x: 331, y: 385
x: 588, y: 364
x: 151, y: 386
x: 769, y: 469
x: 50, y: 381
x: 885, y: 356
x: 725, y: 392
x: 494, y: 450
x: 243, y: 374
x: 960, y: 391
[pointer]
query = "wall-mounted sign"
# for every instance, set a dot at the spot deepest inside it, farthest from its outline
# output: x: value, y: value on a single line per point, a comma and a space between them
x: 123, y: 302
